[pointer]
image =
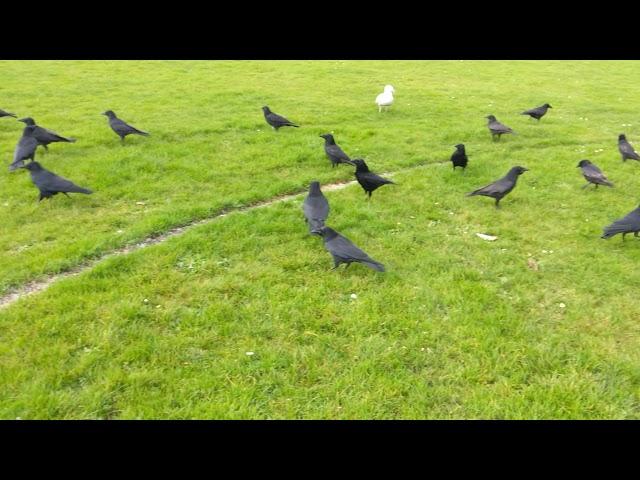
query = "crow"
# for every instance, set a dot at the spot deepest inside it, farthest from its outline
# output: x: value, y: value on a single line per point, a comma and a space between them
x: 502, y: 187
x: 316, y: 208
x: 334, y: 152
x: 537, y: 112
x: 367, y: 179
x: 459, y: 157
x: 122, y: 128
x: 44, y: 136
x: 275, y: 120
x: 6, y: 114
x: 628, y: 224
x: 626, y: 150
x: 344, y: 251
x: 26, y: 148
x: 497, y: 128
x: 593, y: 174
x: 51, y: 184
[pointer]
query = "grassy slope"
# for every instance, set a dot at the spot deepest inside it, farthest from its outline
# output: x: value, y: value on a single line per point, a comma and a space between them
x: 458, y: 327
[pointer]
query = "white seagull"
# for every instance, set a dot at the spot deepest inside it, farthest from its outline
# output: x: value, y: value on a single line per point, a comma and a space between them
x: 385, y: 99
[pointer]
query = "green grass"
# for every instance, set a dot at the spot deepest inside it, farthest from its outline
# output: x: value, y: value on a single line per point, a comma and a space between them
x: 456, y: 328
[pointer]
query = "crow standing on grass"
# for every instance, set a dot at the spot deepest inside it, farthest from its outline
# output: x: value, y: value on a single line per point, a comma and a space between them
x: 628, y: 224
x: 537, y: 112
x: 43, y: 136
x: 367, y: 179
x: 51, y: 184
x: 459, y: 157
x: 122, y: 128
x: 344, y: 251
x: 334, y: 152
x: 497, y: 128
x: 593, y: 174
x: 6, y: 114
x: 626, y: 150
x: 26, y: 148
x: 501, y: 187
x: 316, y: 208
x: 275, y: 120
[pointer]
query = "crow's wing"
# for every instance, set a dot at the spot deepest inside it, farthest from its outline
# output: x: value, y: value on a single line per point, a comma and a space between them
x: 47, y: 136
x: 342, y: 247
x: 25, y: 148
x: 595, y: 175
x: 629, y: 223
x: 49, y: 181
x: 501, y: 186
x: 123, y: 128
x: 316, y: 208
x: 373, y: 179
x: 627, y: 149
x: 499, y: 128
x: 336, y: 153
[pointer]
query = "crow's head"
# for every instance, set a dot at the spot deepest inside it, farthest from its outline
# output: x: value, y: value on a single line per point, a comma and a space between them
x: 518, y: 170
x: 583, y: 163
x: 27, y: 120
x: 33, y: 166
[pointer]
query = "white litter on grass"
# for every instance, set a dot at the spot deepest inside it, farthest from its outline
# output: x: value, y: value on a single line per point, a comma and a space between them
x: 354, y: 296
x: 249, y: 353
x: 561, y: 305
x: 489, y: 238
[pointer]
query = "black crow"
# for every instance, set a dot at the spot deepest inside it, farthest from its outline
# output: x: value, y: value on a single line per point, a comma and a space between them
x: 459, y: 157
x: 122, y: 128
x: 593, y: 174
x: 626, y: 150
x: 344, y: 251
x: 6, y: 114
x: 44, y: 136
x: 275, y: 120
x: 628, y: 224
x: 51, y: 184
x: 497, y: 128
x: 26, y: 148
x: 502, y: 187
x: 334, y: 152
x: 537, y: 112
x: 367, y: 179
x: 316, y: 208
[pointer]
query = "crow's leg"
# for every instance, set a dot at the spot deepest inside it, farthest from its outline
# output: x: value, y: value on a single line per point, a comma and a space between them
x: 67, y: 195
x: 497, y: 203
x: 635, y: 234
x: 596, y: 186
x: 46, y: 148
x: 585, y: 186
x: 624, y: 235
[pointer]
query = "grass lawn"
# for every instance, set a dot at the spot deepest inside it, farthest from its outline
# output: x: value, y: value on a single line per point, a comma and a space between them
x: 542, y: 323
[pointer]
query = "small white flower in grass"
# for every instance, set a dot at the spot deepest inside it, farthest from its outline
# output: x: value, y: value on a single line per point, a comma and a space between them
x: 119, y: 231
x: 146, y: 300
x: 249, y: 353
x: 562, y: 305
x: 354, y: 296
x: 140, y: 203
